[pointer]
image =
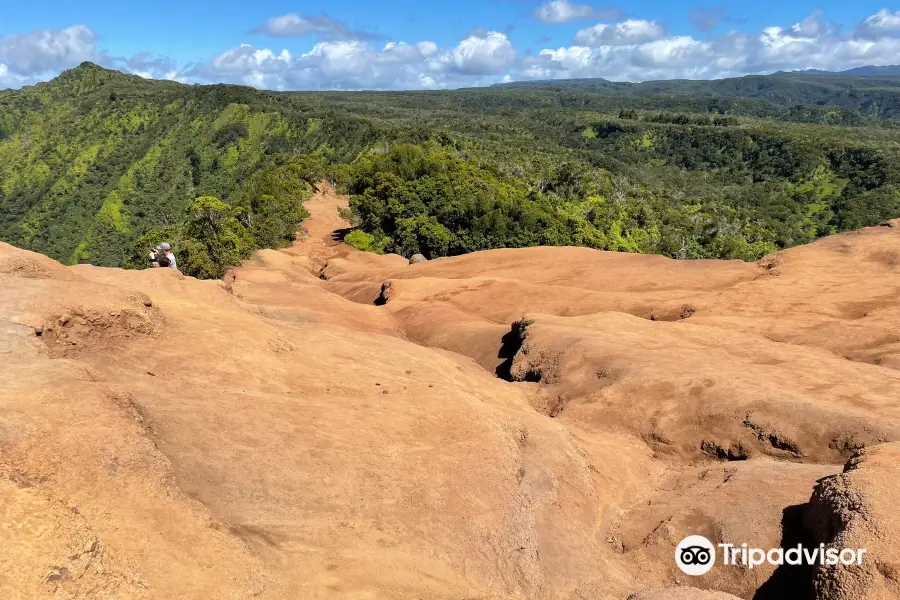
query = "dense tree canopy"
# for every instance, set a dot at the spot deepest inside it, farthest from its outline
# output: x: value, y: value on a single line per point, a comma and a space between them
x: 97, y: 166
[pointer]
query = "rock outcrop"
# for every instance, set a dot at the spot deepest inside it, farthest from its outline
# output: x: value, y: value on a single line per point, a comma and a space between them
x: 858, y: 510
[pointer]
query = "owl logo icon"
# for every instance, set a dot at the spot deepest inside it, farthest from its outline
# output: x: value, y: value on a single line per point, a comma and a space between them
x: 695, y: 555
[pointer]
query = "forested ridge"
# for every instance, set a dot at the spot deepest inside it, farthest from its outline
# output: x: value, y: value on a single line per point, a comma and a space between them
x: 97, y: 166
x: 876, y: 95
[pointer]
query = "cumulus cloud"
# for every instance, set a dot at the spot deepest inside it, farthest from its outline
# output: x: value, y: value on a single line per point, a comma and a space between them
x: 13, y: 80
x: 354, y: 64
x: 632, y: 31
x: 246, y: 58
x: 560, y: 11
x: 38, y: 55
x: 481, y: 58
x: 339, y: 64
x: 45, y: 51
x: 884, y: 22
x: 427, y: 48
x: 246, y: 65
x: 322, y: 26
x: 680, y: 56
x: 636, y: 53
x: 145, y: 65
x: 629, y: 50
x: 483, y: 54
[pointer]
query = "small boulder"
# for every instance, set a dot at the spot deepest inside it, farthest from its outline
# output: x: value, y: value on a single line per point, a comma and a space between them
x: 417, y: 258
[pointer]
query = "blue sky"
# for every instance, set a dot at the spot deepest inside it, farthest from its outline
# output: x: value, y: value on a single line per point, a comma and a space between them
x: 351, y: 44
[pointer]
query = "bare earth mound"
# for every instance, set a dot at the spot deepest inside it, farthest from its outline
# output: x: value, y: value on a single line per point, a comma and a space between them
x: 534, y: 423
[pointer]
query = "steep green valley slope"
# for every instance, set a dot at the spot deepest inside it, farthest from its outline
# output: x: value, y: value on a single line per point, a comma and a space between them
x: 97, y: 166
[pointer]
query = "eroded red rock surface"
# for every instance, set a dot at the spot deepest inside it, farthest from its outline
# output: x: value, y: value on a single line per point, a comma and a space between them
x: 332, y: 424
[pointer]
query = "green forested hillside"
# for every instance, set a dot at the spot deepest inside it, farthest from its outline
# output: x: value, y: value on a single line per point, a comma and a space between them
x: 98, y: 166
x: 876, y: 94
x: 94, y: 160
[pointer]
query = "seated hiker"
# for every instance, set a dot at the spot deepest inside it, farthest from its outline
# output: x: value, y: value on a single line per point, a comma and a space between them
x: 162, y: 256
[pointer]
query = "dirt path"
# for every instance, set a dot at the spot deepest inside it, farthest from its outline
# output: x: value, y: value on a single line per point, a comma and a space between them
x: 324, y: 228
x: 285, y: 284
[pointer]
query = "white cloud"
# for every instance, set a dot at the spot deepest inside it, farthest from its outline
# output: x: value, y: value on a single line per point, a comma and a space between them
x: 343, y: 60
x: 481, y: 58
x: 630, y: 50
x: 640, y: 51
x: 45, y: 51
x: 290, y: 24
x: 247, y: 58
x: 560, y: 11
x: 632, y: 31
x: 145, y: 65
x: 246, y: 65
x: 12, y: 80
x: 486, y: 54
x: 427, y: 82
x: 323, y: 26
x: 680, y: 56
x: 41, y: 54
x: 427, y: 48
x: 340, y: 64
x: 884, y: 22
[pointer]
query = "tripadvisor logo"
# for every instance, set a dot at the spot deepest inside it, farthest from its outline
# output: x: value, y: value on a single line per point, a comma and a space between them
x: 696, y: 555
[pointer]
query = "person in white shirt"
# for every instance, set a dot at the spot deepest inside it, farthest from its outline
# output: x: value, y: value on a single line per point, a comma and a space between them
x: 164, y: 257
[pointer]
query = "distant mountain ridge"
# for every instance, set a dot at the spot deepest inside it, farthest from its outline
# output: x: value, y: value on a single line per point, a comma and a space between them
x: 872, y: 71
x: 872, y: 91
x: 864, y: 71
